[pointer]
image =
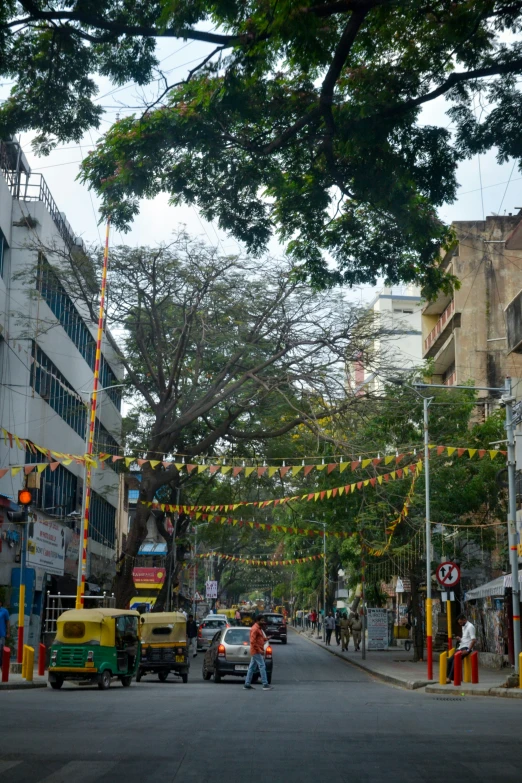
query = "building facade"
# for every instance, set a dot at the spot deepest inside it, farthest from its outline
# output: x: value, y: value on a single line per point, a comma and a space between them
x: 47, y: 355
x: 465, y: 333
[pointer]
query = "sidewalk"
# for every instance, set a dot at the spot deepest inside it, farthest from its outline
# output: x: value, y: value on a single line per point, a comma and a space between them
x: 396, y: 667
x: 17, y: 683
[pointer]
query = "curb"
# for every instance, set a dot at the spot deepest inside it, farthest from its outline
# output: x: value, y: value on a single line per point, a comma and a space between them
x: 18, y: 686
x: 506, y: 693
x: 410, y: 685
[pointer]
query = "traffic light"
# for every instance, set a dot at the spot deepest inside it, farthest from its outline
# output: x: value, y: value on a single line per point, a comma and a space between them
x: 25, y: 498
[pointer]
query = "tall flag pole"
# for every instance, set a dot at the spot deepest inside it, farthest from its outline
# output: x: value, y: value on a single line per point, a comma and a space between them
x: 84, y: 537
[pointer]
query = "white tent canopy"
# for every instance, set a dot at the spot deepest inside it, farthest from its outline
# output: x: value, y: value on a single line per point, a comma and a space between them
x: 496, y: 587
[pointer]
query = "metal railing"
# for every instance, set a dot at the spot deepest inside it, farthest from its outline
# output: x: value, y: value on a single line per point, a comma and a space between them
x: 26, y: 186
x: 439, y: 326
x: 58, y: 604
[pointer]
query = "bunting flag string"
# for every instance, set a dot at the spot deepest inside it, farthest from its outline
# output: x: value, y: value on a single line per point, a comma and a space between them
x: 278, y: 471
x: 250, y: 561
x: 269, y: 527
x: 390, y: 530
x: 324, y: 494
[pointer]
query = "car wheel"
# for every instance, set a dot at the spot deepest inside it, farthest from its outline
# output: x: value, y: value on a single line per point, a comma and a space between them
x: 284, y: 640
x: 206, y: 675
x: 184, y: 677
x: 126, y: 681
x: 217, y: 676
x: 162, y: 675
x: 57, y: 684
x: 105, y: 681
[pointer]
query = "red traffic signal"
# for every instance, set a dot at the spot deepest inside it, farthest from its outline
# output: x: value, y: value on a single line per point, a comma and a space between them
x: 25, y: 497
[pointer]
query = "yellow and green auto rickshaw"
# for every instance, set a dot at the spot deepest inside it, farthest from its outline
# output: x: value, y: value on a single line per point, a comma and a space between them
x: 164, y: 646
x: 95, y: 645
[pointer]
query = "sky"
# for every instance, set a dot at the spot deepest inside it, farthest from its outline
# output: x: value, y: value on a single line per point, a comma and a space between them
x: 485, y: 187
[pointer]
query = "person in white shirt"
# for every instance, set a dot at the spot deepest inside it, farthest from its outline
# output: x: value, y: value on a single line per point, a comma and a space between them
x: 467, y: 641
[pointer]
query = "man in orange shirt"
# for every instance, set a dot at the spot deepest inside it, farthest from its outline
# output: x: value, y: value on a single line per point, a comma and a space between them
x: 257, y: 653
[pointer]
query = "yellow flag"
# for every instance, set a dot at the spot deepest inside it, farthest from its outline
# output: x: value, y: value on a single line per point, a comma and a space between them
x: 366, y: 482
x: 226, y: 469
x: 379, y: 479
x: 393, y: 475
x: 271, y: 471
x: 343, y: 466
x: 451, y: 450
x: 341, y: 490
x: 201, y: 468
x: 316, y: 496
x: 365, y: 463
x: 68, y: 462
x: 179, y: 465
x: 472, y: 452
x: 329, y: 494
x: 296, y: 469
x: 388, y: 459
x: 16, y: 471
x: 128, y: 460
x: 248, y: 471
x: 493, y: 454
x: 320, y: 467
x: 154, y: 463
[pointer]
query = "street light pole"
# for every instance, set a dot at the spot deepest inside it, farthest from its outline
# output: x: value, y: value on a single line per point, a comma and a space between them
x: 429, y: 613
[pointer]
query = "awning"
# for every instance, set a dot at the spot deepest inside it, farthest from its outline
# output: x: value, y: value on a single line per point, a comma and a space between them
x: 496, y: 587
x: 153, y: 549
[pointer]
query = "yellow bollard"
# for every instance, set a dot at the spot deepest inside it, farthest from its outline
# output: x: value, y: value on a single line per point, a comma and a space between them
x: 443, y: 668
x: 466, y: 674
x: 24, y: 661
x: 29, y: 665
x: 451, y: 652
x: 520, y: 670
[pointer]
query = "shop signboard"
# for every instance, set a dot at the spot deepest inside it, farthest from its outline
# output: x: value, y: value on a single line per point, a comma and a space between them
x: 46, y: 545
x: 377, y: 625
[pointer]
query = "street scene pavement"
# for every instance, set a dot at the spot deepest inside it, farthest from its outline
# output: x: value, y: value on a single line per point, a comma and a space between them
x: 324, y: 720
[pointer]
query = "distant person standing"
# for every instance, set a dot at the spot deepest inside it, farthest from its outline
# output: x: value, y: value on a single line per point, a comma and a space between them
x: 4, y: 628
x: 237, y: 617
x: 313, y: 617
x: 329, y: 626
x: 356, y: 625
x: 192, y: 636
x: 346, y: 625
x: 338, y: 628
x: 257, y: 652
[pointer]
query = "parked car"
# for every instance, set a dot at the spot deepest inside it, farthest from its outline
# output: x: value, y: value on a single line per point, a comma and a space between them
x: 275, y: 626
x: 229, y: 655
x: 207, y: 629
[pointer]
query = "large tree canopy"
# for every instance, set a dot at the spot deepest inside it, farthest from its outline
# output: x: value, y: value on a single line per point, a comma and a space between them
x: 302, y: 117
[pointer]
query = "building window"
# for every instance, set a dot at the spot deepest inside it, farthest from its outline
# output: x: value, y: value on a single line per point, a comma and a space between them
x: 3, y: 248
x: 102, y: 521
x: 58, y: 492
x: 53, y: 387
x: 404, y: 312
x: 63, y: 308
x: 104, y: 442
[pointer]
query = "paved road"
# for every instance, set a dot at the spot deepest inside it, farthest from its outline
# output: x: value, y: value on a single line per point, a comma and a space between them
x: 324, y: 721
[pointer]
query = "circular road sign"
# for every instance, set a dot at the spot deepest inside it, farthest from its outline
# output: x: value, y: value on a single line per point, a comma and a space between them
x: 448, y: 574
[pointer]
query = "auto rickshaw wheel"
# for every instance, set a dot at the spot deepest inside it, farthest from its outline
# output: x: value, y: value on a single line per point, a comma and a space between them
x: 57, y: 683
x: 105, y: 680
x: 184, y: 677
x: 162, y: 675
x: 126, y: 681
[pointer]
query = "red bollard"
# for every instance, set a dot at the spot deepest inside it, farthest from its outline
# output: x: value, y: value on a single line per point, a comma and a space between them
x: 42, y: 651
x: 6, y: 661
x: 457, y: 669
x: 474, y: 667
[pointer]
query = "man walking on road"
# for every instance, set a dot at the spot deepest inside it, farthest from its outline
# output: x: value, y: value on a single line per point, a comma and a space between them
x: 192, y: 636
x: 257, y: 653
x: 330, y: 626
x: 4, y: 628
x: 345, y: 632
x: 356, y: 625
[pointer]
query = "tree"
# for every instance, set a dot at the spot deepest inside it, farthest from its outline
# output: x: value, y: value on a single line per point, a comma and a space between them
x: 219, y: 353
x: 303, y: 117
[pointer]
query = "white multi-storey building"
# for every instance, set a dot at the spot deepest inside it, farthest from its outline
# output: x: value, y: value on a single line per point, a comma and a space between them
x: 47, y: 354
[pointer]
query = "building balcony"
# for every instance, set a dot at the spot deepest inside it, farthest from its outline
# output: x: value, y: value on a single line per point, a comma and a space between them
x: 448, y: 321
x: 514, y: 324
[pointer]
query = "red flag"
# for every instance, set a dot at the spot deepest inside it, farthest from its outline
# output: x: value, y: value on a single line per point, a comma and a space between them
x: 331, y: 466
x: 308, y: 468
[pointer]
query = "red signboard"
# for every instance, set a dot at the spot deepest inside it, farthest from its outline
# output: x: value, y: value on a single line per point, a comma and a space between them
x: 148, y: 575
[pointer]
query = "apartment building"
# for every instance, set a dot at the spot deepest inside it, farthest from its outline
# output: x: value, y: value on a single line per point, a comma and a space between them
x: 465, y: 333
x: 400, y: 349
x: 47, y: 355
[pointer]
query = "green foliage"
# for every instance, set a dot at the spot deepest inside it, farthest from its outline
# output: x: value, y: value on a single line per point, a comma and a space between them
x: 303, y: 119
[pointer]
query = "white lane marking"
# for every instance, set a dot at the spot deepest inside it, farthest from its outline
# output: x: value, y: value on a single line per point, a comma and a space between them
x: 5, y: 765
x: 79, y: 772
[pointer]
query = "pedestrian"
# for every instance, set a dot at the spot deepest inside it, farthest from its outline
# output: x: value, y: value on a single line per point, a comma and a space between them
x: 4, y: 628
x: 192, y: 636
x: 314, y: 619
x: 257, y: 654
x: 356, y: 626
x: 338, y: 628
x: 237, y: 617
x: 467, y: 641
x: 346, y: 625
x: 329, y: 626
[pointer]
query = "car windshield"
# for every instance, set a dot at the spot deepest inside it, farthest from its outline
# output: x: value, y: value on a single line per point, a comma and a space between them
x: 237, y: 636
x: 214, y: 624
x: 274, y: 619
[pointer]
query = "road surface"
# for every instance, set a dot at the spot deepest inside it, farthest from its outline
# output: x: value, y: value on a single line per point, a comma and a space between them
x: 325, y: 721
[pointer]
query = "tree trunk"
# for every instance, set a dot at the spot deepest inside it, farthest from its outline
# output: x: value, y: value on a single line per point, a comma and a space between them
x: 417, y: 630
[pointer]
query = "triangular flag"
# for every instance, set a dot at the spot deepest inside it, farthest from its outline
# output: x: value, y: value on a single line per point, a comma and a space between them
x: 261, y: 471
x: 355, y: 464
x: 493, y: 454
x: 296, y: 469
x: 365, y: 463
x: 29, y: 469
x: 271, y: 471
x: 202, y: 468
x: 320, y: 467
x: 451, y: 450
x: 237, y: 471
x: 249, y: 471
x: 388, y: 459
x: 343, y: 466
x: 154, y: 463
x: 331, y: 466
x: 283, y: 471
x: 128, y: 460
x: 308, y: 468
x: 54, y: 465
x: 15, y: 471
x: 226, y: 469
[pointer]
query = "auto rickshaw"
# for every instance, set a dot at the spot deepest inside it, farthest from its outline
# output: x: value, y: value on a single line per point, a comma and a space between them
x: 164, y: 646
x: 95, y: 645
